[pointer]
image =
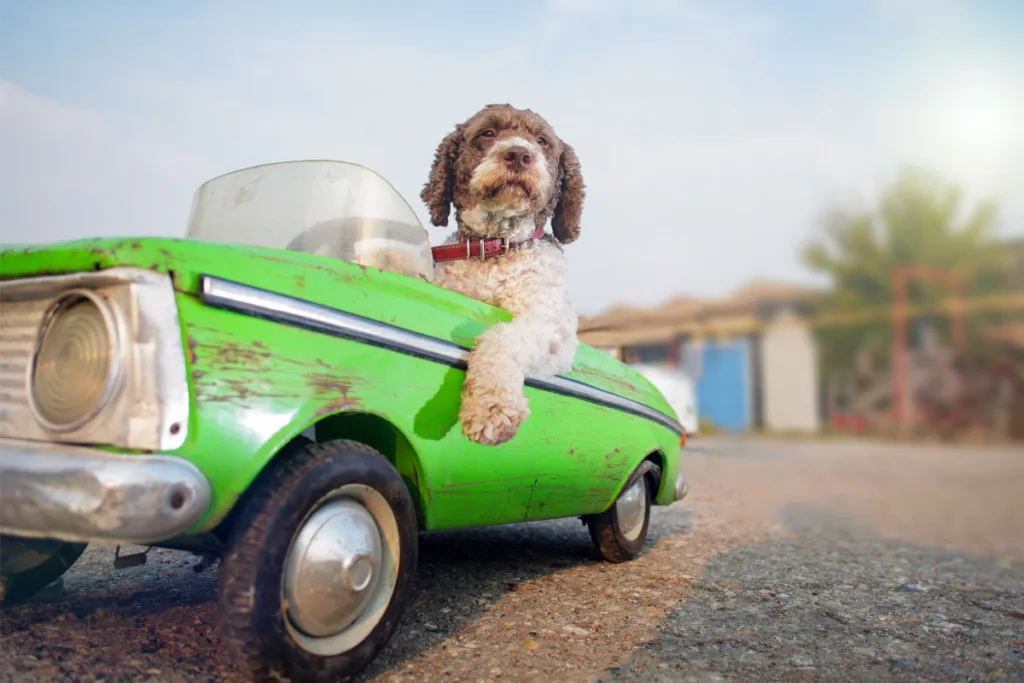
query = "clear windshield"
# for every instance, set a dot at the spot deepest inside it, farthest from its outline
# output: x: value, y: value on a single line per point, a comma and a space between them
x: 330, y: 208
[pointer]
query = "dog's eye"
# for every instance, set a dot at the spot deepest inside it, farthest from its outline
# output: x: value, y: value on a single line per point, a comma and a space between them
x: 487, y: 133
x: 542, y: 140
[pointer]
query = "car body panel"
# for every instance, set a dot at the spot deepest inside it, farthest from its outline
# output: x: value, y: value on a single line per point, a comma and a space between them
x: 255, y: 384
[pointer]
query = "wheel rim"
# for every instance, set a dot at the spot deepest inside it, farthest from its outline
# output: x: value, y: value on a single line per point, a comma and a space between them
x: 340, y: 571
x: 631, y: 508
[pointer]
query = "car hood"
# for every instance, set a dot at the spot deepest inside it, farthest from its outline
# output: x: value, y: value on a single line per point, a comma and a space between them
x: 369, y: 292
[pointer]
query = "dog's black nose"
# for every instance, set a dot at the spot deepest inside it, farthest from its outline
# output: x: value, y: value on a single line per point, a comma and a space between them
x: 517, y: 158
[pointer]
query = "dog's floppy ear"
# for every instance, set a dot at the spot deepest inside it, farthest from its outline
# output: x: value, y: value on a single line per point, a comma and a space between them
x: 565, y: 223
x: 437, y: 192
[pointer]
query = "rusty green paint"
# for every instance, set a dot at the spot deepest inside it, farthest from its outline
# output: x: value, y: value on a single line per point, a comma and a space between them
x: 257, y: 384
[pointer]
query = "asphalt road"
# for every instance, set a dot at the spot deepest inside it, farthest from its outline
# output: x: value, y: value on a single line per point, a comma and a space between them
x: 789, y: 561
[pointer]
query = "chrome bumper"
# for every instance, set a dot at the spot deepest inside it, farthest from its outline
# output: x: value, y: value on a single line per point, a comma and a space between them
x: 681, y: 487
x: 79, y: 494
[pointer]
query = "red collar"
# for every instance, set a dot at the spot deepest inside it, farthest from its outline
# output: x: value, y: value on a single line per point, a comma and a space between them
x: 479, y: 248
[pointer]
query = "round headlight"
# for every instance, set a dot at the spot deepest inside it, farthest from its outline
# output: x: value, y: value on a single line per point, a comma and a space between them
x: 77, y: 361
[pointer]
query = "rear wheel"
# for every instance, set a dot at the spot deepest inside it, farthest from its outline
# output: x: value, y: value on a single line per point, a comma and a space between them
x: 320, y: 564
x: 27, y: 566
x: 620, y: 531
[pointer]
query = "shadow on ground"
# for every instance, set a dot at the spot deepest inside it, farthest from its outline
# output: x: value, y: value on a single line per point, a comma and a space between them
x: 836, y: 603
x: 162, y: 617
x: 463, y: 573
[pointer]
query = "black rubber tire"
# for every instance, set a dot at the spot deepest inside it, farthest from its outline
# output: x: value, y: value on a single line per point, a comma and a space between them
x: 22, y: 585
x: 249, y: 591
x: 607, y: 535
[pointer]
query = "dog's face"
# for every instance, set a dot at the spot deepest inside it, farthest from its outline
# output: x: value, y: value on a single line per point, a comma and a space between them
x: 506, y: 163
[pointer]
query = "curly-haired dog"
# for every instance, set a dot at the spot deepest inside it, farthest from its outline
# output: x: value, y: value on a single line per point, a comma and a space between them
x: 507, y: 172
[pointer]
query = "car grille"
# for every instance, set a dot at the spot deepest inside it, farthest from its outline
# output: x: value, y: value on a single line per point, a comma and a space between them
x: 19, y: 326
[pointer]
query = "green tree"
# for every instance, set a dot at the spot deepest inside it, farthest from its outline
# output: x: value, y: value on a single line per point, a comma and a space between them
x: 920, y: 219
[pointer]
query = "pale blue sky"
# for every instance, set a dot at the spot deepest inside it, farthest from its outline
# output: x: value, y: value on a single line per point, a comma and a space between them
x: 712, y: 133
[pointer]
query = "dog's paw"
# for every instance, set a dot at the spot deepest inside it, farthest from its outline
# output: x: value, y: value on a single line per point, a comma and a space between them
x: 493, y: 415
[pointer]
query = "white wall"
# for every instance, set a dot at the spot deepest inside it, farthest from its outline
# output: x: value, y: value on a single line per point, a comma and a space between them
x: 789, y: 373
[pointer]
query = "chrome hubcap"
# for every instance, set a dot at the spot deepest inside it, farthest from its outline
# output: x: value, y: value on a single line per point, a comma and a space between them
x: 333, y: 565
x: 341, y: 570
x: 630, y: 508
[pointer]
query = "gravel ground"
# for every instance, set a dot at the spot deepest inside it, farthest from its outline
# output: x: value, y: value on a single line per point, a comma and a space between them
x: 790, y: 560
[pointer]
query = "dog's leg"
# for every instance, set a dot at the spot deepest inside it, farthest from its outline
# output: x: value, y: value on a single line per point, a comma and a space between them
x: 541, y: 341
x: 493, y: 404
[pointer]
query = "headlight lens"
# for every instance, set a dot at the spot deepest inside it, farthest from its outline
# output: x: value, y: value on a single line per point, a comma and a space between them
x: 76, y: 366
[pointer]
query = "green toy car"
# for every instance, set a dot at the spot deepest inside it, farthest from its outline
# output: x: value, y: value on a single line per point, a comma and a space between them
x: 280, y: 390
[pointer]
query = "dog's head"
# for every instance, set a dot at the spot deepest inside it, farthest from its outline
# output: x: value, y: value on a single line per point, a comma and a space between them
x: 504, y: 164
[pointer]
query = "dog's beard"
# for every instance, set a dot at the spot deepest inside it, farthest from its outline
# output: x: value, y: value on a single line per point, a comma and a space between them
x: 502, y: 191
x: 504, y: 202
x: 510, y: 191
x: 508, y: 213
x: 498, y: 189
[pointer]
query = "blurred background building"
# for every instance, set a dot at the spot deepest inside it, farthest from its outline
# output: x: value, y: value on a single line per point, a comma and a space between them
x: 751, y: 356
x: 755, y: 358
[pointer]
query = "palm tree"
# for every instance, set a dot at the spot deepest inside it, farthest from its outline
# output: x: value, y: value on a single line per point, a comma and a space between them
x: 919, y: 220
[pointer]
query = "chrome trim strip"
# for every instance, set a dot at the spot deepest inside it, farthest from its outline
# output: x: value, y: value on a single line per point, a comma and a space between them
x: 77, y: 494
x: 261, y: 303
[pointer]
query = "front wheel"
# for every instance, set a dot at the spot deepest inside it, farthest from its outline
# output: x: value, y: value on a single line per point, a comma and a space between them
x: 320, y: 563
x: 620, y: 531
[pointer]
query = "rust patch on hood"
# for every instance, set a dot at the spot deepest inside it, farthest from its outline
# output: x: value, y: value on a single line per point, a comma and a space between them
x: 334, y: 392
x: 191, y: 343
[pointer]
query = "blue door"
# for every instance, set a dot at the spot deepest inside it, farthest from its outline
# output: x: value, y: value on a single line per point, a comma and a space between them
x: 723, y: 384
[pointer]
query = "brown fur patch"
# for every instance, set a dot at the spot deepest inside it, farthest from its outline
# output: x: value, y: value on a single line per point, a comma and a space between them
x: 465, y: 148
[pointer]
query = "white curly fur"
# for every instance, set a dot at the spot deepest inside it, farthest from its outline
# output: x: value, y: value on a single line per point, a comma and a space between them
x: 540, y: 339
